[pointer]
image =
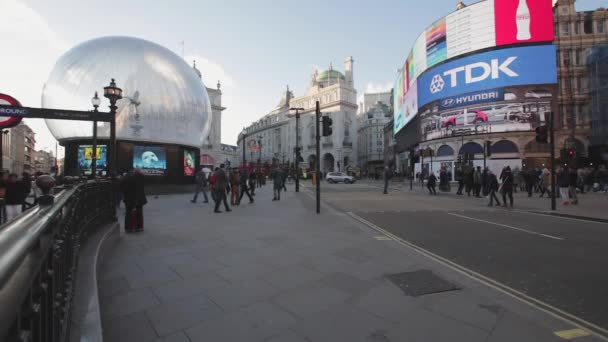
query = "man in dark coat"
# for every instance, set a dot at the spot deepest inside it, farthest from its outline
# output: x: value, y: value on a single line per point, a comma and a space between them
x: 134, y: 197
x: 220, y: 188
x: 430, y: 184
x: 244, y: 188
x: 201, y: 184
x: 507, y: 186
x: 492, y: 188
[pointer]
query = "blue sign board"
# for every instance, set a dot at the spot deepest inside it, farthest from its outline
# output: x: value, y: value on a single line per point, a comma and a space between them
x: 489, y: 70
x: 478, y: 97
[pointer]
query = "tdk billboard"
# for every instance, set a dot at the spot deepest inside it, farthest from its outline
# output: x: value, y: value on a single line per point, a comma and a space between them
x: 489, y: 70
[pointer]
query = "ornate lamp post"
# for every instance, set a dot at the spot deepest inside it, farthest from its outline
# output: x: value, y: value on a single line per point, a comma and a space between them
x: 113, y: 93
x: 297, y: 115
x: 244, y: 133
x: 95, y: 101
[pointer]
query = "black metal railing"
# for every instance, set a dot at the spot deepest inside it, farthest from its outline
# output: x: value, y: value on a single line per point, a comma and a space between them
x: 38, y: 258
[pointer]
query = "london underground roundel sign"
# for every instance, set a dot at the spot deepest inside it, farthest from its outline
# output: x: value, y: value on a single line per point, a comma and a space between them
x: 9, y: 121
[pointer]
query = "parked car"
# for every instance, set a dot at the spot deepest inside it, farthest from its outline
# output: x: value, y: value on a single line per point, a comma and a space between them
x: 337, y: 177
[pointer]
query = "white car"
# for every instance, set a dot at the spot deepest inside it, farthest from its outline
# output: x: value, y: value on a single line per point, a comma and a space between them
x: 337, y: 177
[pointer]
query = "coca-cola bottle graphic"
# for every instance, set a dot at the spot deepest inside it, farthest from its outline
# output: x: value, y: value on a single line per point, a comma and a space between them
x: 522, y: 20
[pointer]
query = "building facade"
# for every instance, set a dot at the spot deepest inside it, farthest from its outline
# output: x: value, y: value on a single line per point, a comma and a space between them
x: 273, y: 137
x: 44, y: 161
x: 597, y: 64
x: 576, y: 34
x: 370, y: 136
x: 21, y: 150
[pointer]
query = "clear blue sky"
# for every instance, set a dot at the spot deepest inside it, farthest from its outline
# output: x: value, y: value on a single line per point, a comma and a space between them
x: 257, y: 46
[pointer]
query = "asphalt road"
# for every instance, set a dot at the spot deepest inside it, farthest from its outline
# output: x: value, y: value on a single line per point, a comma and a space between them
x: 560, y: 261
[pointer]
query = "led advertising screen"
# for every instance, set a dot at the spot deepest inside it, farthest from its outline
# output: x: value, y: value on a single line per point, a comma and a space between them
x: 523, y: 21
x: 398, y: 117
x: 508, y: 109
x: 471, y: 29
x: 151, y: 160
x: 189, y: 163
x: 488, y: 70
x: 85, y: 159
x: 436, y: 46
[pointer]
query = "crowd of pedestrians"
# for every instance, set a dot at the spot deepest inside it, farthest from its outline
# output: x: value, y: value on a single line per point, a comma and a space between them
x: 19, y: 193
x: 236, y: 182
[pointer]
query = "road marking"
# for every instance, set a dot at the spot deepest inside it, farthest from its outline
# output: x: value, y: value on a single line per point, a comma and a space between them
x: 572, y: 334
x: 558, y: 217
x: 507, y: 226
x: 502, y: 288
x: 382, y: 238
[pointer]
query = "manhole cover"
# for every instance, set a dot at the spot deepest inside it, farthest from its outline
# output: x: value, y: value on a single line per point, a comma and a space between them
x: 420, y: 283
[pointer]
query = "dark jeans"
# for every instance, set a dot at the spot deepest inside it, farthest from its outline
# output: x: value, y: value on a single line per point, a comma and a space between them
x: 244, y: 191
x: 460, y: 187
x: 493, y: 197
x: 220, y: 196
x: 200, y: 188
x: 432, y: 190
x: 477, y: 190
x: 505, y: 193
x: 139, y: 218
x: 252, y: 187
x: 277, y: 194
x: 530, y: 188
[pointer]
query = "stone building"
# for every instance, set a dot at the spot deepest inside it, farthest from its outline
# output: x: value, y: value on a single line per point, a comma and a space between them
x: 44, y: 161
x: 273, y: 136
x: 370, y: 136
x: 576, y: 34
x: 21, y: 152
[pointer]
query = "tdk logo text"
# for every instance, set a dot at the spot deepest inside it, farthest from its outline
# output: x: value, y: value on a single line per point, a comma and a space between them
x: 473, y: 73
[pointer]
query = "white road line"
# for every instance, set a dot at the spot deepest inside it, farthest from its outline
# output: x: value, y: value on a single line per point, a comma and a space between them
x: 558, y: 217
x: 507, y: 226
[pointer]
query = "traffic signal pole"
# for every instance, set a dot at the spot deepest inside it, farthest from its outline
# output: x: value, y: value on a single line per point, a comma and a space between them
x: 318, y: 138
x: 297, y: 151
x: 552, y: 149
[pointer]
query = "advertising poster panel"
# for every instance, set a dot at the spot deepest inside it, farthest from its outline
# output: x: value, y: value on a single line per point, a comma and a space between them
x: 85, y: 158
x: 398, y: 116
x: 470, y: 29
x: 419, y: 52
x: 151, y: 160
x: 489, y: 70
x: 436, y: 47
x: 509, y: 109
x: 189, y: 163
x: 410, y: 104
x: 523, y: 21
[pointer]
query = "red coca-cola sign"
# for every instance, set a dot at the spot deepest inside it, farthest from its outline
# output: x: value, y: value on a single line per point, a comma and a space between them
x: 523, y: 21
x: 9, y: 121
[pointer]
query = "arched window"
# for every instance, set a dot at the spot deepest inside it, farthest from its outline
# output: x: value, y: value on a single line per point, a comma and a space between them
x: 471, y: 147
x: 504, y: 146
x: 445, y: 151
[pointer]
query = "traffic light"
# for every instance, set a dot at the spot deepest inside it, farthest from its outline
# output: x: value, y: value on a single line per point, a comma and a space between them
x: 327, y: 122
x: 541, y: 135
x: 299, y: 158
x: 571, y: 153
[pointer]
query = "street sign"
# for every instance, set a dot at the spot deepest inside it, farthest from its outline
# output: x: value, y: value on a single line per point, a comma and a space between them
x: 16, y: 111
x: 9, y: 121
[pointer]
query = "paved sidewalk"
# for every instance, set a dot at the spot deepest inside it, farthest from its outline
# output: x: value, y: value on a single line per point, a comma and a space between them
x: 591, y: 205
x: 275, y: 271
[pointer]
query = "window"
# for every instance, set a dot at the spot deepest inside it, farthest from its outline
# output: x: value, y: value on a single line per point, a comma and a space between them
x: 566, y: 57
x: 577, y: 57
x: 566, y: 28
x: 588, y: 24
x: 599, y: 26
x: 577, y: 26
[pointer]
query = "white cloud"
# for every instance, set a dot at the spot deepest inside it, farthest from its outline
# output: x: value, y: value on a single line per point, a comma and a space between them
x: 211, y: 71
x: 30, y: 49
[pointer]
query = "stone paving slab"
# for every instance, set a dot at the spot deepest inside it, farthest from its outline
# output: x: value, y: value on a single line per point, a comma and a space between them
x: 275, y: 271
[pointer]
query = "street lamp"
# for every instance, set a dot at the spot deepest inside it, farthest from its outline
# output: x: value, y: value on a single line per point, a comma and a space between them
x: 113, y: 93
x: 244, y: 134
x: 95, y: 101
x: 259, y: 149
x: 297, y: 115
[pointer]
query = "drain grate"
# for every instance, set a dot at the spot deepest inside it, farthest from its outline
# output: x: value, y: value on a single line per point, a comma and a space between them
x: 420, y: 283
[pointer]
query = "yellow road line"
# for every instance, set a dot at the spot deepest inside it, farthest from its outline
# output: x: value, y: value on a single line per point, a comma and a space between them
x: 538, y: 304
x: 572, y: 334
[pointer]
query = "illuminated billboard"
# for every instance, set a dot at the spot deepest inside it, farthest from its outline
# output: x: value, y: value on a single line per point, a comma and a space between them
x: 151, y: 160
x: 508, y: 109
x: 189, y: 163
x: 483, y: 25
x: 85, y: 159
x: 488, y: 70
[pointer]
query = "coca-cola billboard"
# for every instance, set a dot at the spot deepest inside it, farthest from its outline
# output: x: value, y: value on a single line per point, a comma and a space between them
x: 523, y: 21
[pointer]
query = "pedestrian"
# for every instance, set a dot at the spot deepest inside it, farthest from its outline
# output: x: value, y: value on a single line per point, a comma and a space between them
x: 516, y: 176
x: 485, y: 181
x: 277, y: 180
x: 387, y: 175
x: 235, y: 182
x: 546, y: 183
x: 243, y: 187
x: 220, y: 187
x: 507, y: 187
x: 135, y: 198
x: 430, y: 184
x: 589, y: 180
x: 530, y: 181
x: 573, y: 177
x: 563, y: 181
x: 492, y: 188
x: 468, y: 180
x: 252, y: 180
x: 201, y: 185
x: 477, y: 182
x: 261, y: 177
x: 460, y: 179
x: 13, y: 199
x: 444, y: 180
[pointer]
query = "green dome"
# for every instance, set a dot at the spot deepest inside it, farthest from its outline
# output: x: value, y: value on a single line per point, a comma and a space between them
x: 329, y: 74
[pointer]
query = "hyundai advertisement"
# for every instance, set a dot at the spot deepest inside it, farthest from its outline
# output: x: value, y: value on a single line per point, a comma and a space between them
x: 509, y: 109
x: 85, y: 159
x: 483, y: 25
x: 488, y: 70
x: 151, y: 160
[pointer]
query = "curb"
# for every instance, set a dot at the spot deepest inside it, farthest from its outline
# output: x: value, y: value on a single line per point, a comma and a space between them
x: 578, y: 217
